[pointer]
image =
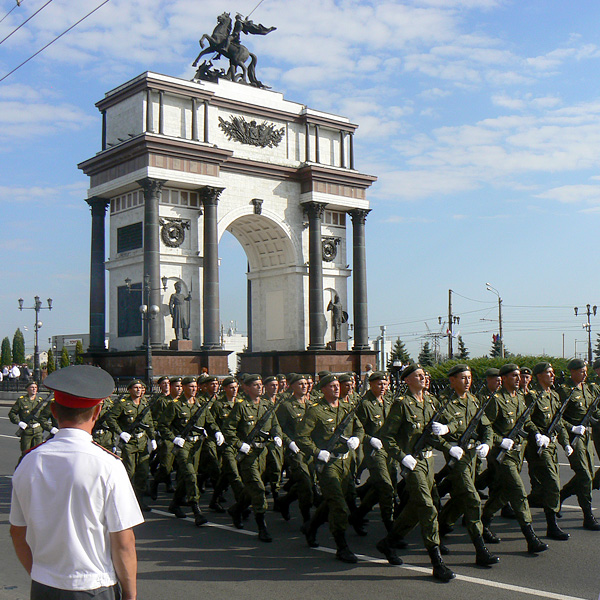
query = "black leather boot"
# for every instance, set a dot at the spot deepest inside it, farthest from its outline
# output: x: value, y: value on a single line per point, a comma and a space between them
x: 440, y: 570
x: 483, y: 557
x: 534, y: 544
x: 263, y: 534
x: 176, y: 509
x: 235, y: 512
x: 199, y: 518
x: 343, y: 551
x: 488, y: 535
x: 554, y: 532
x: 388, y: 549
x: 589, y: 521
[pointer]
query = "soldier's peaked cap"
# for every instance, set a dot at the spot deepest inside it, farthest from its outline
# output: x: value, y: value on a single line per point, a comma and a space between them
x: 456, y: 369
x: 80, y: 386
x: 508, y: 368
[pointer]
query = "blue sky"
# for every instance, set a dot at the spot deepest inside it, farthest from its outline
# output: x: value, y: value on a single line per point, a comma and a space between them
x: 481, y: 119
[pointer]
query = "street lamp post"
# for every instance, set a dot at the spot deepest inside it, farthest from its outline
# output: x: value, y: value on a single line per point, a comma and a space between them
x: 491, y: 288
x: 590, y: 310
x: 37, y: 306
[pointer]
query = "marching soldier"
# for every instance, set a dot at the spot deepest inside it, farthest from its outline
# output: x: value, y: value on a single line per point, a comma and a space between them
x: 210, y: 465
x: 102, y: 433
x: 130, y: 419
x: 274, y: 453
x: 319, y: 428
x: 582, y: 459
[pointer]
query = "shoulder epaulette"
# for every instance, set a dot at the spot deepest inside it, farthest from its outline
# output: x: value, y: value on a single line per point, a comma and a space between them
x: 106, y: 450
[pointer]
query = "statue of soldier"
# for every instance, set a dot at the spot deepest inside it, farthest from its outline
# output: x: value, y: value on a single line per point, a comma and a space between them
x: 180, y: 312
x: 338, y: 316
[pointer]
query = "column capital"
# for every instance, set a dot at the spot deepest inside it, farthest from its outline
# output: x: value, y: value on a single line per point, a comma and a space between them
x: 209, y: 194
x: 98, y: 205
x: 359, y: 215
x: 314, y: 209
x: 151, y: 186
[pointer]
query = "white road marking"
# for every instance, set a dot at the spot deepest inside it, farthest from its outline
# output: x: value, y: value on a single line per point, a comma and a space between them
x: 11, y: 437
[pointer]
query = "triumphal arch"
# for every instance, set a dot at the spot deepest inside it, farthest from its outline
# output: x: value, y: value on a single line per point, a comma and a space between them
x: 181, y: 163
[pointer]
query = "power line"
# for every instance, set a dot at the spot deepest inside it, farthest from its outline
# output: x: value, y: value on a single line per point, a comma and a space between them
x: 13, y: 8
x: 25, y: 21
x: 54, y: 40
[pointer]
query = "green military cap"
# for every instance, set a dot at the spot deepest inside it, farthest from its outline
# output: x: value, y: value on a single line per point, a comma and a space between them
x: 346, y: 377
x: 541, y: 367
x: 242, y: 376
x: 456, y: 369
x: 189, y: 379
x: 252, y: 378
x: 508, y: 368
x: 134, y: 382
x: 376, y: 375
x: 163, y: 378
x: 209, y: 378
x: 327, y: 379
x: 322, y: 374
x: 575, y: 364
x: 175, y: 380
x: 271, y: 378
x: 201, y: 378
x: 281, y: 377
x: 596, y: 364
x: 525, y: 371
x: 228, y: 381
x: 30, y: 382
x: 293, y: 377
x: 410, y: 369
x: 492, y: 372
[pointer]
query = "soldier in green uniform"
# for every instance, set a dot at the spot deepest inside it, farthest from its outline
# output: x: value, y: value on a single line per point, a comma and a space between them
x: 372, y: 412
x: 210, y: 464
x: 582, y: 459
x: 543, y: 462
x: 166, y: 456
x: 290, y: 413
x: 404, y: 427
x: 595, y: 388
x: 230, y: 475
x: 238, y: 427
x: 130, y: 419
x: 504, y: 410
x: 101, y: 433
x: 334, y: 462
x: 460, y: 409
x: 31, y: 429
x: 174, y: 426
x: 274, y: 453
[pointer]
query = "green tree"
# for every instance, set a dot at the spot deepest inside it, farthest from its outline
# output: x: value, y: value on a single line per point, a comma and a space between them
x: 399, y: 352
x: 18, y: 347
x: 50, y: 365
x: 6, y: 356
x: 496, y: 351
x: 65, y: 359
x: 79, y: 353
x: 426, y: 358
x: 463, y: 351
x: 597, y: 347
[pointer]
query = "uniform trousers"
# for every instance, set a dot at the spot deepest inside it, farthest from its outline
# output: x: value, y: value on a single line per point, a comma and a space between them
x: 582, y: 462
x: 136, y: 460
x: 334, y: 481
x: 39, y: 591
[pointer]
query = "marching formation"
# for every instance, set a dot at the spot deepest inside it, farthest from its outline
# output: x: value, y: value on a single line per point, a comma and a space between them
x: 341, y: 453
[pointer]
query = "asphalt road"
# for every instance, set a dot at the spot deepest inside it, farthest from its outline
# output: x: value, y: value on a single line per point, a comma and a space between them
x: 179, y: 561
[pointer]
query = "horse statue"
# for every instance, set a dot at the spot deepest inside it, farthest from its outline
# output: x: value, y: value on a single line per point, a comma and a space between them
x: 225, y: 42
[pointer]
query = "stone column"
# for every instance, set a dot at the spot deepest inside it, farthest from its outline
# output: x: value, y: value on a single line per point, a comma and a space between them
x: 359, y: 279
x: 211, y: 319
x: 152, y: 191
x: 97, y: 277
x: 316, y: 318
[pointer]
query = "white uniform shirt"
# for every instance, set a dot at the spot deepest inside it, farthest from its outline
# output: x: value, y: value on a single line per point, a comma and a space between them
x: 70, y: 494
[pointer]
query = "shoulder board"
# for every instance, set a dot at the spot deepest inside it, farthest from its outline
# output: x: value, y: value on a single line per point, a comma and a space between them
x: 37, y: 446
x: 105, y: 450
x: 23, y: 396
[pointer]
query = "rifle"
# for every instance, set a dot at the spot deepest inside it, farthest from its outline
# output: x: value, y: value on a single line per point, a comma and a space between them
x: 516, y: 431
x: 467, y: 434
x: 34, y: 413
x: 338, y: 434
x: 556, y: 420
x: 137, y: 424
x: 191, y: 424
x: 420, y: 443
x: 257, y: 429
x: 588, y: 419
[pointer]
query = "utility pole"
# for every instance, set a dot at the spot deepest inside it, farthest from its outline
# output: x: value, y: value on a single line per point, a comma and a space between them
x: 588, y: 326
x: 383, y: 365
x: 491, y: 288
x: 452, y: 320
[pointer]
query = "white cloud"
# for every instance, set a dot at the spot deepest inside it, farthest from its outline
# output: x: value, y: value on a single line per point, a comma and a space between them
x: 570, y: 194
x: 42, y: 195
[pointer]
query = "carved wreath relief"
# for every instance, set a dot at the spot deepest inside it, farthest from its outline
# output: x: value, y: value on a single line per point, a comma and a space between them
x: 264, y: 135
x: 172, y: 231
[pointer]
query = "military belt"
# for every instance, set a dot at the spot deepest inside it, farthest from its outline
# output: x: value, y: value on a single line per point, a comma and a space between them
x: 34, y: 425
x: 139, y: 435
x: 340, y: 456
x: 426, y: 454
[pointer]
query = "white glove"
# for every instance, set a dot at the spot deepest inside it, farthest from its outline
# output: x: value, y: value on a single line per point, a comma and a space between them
x: 220, y: 438
x: 353, y: 443
x: 542, y: 441
x: 179, y: 441
x: 578, y: 430
x: 568, y: 450
x: 323, y: 455
x: 125, y: 436
x: 456, y: 452
x: 23, y: 425
x: 506, y: 444
x: 439, y: 428
x: 294, y: 447
x: 54, y: 430
x: 482, y: 450
x: 245, y: 448
x: 376, y: 443
x: 278, y: 441
x: 153, y: 444
x: 409, y: 461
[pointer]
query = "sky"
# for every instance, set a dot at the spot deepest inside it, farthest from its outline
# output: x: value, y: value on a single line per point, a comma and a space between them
x: 480, y: 118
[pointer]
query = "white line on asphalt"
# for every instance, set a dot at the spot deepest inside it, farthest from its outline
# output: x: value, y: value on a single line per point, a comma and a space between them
x: 371, y: 559
x: 12, y: 437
